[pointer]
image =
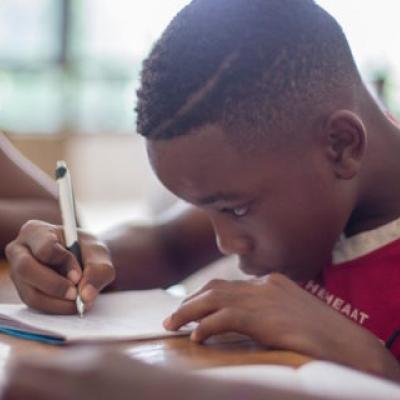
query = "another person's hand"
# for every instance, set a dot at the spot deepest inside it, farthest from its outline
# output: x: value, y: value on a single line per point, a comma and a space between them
x: 94, y: 375
x: 47, y: 276
x: 83, y: 374
x: 277, y: 312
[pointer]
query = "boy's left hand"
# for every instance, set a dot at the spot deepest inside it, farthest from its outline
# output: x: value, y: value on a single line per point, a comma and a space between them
x: 276, y: 312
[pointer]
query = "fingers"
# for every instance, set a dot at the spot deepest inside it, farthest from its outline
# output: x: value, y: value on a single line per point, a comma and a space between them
x: 224, y: 306
x: 193, y: 310
x: 40, y: 287
x: 212, y: 296
x: 95, y: 278
x: 98, y: 271
x: 40, y: 301
x: 212, y: 321
x: 32, y: 273
x: 48, y: 249
x: 215, y: 312
x: 213, y: 284
x: 45, y: 244
x: 223, y: 321
x: 48, y: 277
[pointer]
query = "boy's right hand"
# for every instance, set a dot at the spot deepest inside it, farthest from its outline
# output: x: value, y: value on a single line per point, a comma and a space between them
x: 47, y: 276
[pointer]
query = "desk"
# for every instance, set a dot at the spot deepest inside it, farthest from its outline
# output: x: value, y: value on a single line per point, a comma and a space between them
x: 163, y: 352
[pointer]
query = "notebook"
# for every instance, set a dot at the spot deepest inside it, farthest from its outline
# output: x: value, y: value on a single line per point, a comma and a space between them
x: 130, y: 315
x: 318, y: 378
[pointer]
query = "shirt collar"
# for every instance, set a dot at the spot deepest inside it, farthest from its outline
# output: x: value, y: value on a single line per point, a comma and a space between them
x: 347, y: 249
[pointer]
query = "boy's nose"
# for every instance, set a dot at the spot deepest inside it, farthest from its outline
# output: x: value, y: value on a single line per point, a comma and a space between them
x: 230, y: 241
x: 233, y: 245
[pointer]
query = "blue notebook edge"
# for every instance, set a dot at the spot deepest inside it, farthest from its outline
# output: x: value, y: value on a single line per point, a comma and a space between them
x: 32, y: 336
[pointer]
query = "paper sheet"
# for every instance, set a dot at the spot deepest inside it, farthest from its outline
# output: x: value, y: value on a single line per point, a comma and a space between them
x: 115, y: 316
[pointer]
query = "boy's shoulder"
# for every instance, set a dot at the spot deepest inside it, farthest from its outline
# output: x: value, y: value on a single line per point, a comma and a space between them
x: 363, y: 280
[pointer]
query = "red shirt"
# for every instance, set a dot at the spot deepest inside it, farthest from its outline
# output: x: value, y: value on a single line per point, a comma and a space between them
x: 363, y: 282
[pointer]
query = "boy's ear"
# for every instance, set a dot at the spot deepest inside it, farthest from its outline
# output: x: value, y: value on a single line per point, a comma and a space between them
x: 346, y: 142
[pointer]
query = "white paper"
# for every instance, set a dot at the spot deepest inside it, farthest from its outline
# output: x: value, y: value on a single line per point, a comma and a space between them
x: 115, y: 316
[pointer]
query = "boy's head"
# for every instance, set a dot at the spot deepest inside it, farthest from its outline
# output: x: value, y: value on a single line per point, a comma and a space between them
x: 250, y: 109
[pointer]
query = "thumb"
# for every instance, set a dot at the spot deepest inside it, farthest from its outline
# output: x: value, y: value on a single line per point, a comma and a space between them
x: 95, y: 278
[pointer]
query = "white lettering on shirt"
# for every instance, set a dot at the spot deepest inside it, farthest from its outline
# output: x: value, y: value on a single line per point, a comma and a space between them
x: 336, y: 302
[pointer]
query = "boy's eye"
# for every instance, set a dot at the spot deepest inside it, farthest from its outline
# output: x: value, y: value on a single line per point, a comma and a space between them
x: 237, y: 211
x: 240, y: 211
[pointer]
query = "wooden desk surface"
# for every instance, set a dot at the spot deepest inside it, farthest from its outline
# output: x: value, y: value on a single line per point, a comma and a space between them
x: 166, y: 352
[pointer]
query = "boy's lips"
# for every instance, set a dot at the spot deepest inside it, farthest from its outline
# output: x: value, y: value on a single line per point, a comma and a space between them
x: 256, y: 269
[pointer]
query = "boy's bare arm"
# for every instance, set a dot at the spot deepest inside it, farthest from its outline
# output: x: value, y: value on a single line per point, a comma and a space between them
x: 164, y: 253
x: 25, y: 193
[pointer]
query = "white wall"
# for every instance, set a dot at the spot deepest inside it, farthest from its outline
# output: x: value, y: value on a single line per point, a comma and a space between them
x: 113, y: 180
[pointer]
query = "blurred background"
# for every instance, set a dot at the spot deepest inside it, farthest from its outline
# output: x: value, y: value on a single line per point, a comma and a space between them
x: 68, y: 74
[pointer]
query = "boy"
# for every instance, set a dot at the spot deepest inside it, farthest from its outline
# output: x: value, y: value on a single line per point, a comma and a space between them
x: 255, y: 113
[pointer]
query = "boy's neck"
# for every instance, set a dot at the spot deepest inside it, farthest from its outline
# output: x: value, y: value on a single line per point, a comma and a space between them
x: 380, y: 203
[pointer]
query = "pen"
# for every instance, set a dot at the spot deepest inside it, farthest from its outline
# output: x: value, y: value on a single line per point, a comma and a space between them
x: 67, y: 206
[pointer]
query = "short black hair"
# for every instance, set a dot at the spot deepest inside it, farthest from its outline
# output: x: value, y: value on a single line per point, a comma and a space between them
x: 242, y: 63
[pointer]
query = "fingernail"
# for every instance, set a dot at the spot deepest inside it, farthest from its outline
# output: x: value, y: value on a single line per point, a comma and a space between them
x: 71, y: 293
x: 74, y: 276
x: 88, y: 293
x: 167, y: 323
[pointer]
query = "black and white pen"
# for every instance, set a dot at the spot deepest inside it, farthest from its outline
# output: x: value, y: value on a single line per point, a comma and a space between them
x: 67, y: 206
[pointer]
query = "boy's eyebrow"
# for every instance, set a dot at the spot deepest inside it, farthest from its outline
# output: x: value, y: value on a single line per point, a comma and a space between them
x: 214, y: 198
